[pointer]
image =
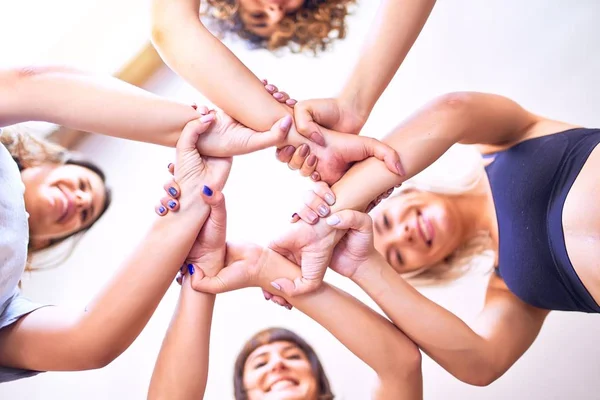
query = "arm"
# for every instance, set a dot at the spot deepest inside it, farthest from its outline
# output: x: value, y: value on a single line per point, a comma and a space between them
x: 503, y: 331
x: 90, y: 103
x: 54, y: 338
x: 394, y: 30
x: 181, y: 370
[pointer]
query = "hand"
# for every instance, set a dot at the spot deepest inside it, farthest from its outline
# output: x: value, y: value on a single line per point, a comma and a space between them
x: 333, y: 113
x: 356, y: 247
x: 310, y: 247
x: 316, y: 204
x: 228, y: 137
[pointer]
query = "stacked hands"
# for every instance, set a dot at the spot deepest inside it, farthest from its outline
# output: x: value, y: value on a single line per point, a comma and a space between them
x: 343, y: 241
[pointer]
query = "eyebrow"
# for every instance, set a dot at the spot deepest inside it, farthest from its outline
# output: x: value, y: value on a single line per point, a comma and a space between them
x: 89, y: 184
x: 264, y: 353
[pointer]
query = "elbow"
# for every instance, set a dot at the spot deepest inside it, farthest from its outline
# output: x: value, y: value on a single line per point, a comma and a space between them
x: 454, y: 102
x: 405, y: 364
x: 480, y: 376
x: 96, y: 358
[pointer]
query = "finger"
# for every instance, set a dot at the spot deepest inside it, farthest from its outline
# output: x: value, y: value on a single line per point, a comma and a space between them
x: 281, y: 96
x: 305, y: 123
x: 307, y: 215
x: 309, y: 165
x: 285, y: 154
x: 271, y: 88
x: 189, y: 136
x: 295, y: 218
x: 171, y: 168
x: 268, y: 295
x: 169, y: 203
x: 203, y: 110
x: 384, y: 153
x: 216, y: 201
x: 296, y: 287
x: 280, y: 301
x: 350, y: 219
x: 172, y: 189
x: 179, y: 278
x: 315, y: 176
x: 161, y: 210
x: 291, y: 102
x: 299, y: 156
x: 277, y: 133
x: 323, y: 190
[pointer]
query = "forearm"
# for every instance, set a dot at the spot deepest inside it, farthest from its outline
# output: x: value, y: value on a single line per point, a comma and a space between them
x: 111, y: 322
x: 394, y: 31
x: 91, y: 103
x: 367, y: 334
x: 441, y: 334
x: 181, y: 369
x: 190, y: 50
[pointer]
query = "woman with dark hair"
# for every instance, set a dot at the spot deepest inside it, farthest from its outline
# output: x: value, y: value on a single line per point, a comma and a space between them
x: 192, y: 51
x: 46, y: 197
x: 274, y: 364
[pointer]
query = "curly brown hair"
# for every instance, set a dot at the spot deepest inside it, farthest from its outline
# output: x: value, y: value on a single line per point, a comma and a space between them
x: 312, y: 28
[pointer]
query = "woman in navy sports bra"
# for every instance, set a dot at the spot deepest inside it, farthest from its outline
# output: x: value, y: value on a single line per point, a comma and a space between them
x: 538, y: 202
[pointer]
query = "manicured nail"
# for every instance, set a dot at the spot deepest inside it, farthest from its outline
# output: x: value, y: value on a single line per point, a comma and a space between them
x: 289, y: 150
x: 317, y: 138
x: 172, y: 204
x: 278, y: 96
x: 323, y: 210
x: 295, y: 216
x: 312, y: 216
x: 400, y: 169
x: 286, y: 123
x: 207, y: 191
x: 312, y: 159
x: 169, y: 166
x: 329, y: 199
x: 195, y: 107
x: 304, y: 150
x: 264, y: 81
x: 276, y: 285
x: 333, y: 220
x: 315, y: 176
x: 270, y: 88
x: 207, y: 118
x: 288, y: 307
x: 162, y: 210
x: 290, y: 102
x: 172, y: 191
x: 191, y: 269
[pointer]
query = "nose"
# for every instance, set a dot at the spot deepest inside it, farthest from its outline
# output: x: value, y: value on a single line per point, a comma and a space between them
x: 278, y: 364
x: 275, y: 13
x: 404, y: 233
x: 83, y: 199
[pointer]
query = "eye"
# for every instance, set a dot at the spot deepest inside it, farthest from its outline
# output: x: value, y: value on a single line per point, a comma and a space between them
x: 258, y: 15
x: 84, y: 215
x: 81, y: 185
x: 386, y: 222
x: 259, y: 364
x: 399, y: 258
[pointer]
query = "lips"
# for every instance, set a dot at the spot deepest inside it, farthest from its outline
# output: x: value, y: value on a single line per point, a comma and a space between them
x: 282, y: 383
x: 67, y: 205
x: 425, y: 228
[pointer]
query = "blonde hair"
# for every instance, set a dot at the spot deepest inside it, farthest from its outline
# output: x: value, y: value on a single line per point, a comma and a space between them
x: 459, y: 171
x: 312, y: 28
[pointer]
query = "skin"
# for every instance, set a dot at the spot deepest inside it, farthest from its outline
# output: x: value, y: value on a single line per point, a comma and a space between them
x: 262, y: 17
x: 279, y: 370
x: 61, y: 200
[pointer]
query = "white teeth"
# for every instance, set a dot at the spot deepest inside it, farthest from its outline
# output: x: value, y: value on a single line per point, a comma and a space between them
x: 424, y: 228
x: 282, y: 384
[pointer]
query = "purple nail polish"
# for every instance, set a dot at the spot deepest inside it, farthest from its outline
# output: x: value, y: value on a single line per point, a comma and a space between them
x: 172, y: 191
x: 191, y: 269
x: 172, y: 204
x: 162, y: 210
x: 207, y: 191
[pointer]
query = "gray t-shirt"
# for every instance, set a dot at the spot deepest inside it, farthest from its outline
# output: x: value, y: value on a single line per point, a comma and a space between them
x: 14, y: 236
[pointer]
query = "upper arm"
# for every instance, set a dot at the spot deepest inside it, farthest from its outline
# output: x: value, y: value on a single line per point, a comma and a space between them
x: 508, y: 325
x: 169, y: 13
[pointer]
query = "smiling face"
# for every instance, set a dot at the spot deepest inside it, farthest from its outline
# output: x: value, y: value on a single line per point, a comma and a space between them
x: 416, y: 229
x: 262, y: 17
x: 61, y: 200
x: 279, y: 371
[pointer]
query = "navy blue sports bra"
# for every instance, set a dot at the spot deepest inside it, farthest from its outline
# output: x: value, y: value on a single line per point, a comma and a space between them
x: 530, y: 182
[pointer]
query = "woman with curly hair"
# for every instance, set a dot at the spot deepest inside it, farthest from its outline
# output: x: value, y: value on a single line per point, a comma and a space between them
x: 193, y: 52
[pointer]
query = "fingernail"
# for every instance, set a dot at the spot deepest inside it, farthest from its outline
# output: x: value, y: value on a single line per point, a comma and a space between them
x: 195, y: 107
x: 333, y: 220
x: 181, y: 269
x: 312, y: 216
x: 172, y: 204
x: 329, y: 199
x: 315, y: 176
x: 270, y: 88
x: 290, y: 102
x: 323, y: 210
x: 278, y: 96
x: 207, y: 118
x: 264, y: 81
x: 191, y: 269
x: 162, y: 210
x: 276, y: 285
x: 289, y: 150
x: 312, y: 159
x: 172, y: 191
x: 288, y: 307
x: 400, y: 169
x: 304, y: 150
x: 169, y: 166
x: 317, y: 138
x: 286, y: 123
x: 295, y: 216
x: 207, y: 191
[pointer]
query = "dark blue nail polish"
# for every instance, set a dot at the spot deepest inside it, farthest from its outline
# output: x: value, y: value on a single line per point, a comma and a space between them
x: 191, y: 269
x: 172, y: 191
x: 169, y: 166
x: 161, y: 209
x: 172, y: 204
x: 207, y: 191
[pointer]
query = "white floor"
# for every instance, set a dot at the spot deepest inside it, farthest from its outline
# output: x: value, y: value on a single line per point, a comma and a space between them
x: 543, y: 53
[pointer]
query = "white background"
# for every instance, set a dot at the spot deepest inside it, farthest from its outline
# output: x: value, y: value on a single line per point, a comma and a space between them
x: 542, y: 53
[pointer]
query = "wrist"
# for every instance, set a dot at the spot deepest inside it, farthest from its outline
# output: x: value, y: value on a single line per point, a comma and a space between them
x: 370, y: 269
x: 354, y: 105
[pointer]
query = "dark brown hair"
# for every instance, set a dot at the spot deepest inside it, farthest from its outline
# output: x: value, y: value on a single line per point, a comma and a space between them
x: 271, y: 335
x: 312, y: 28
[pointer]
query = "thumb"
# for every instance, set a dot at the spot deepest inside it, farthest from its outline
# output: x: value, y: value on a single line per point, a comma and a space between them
x: 215, y: 199
x: 350, y: 219
x: 274, y: 136
x: 306, y: 117
x: 383, y: 152
x: 296, y: 287
x: 192, y: 130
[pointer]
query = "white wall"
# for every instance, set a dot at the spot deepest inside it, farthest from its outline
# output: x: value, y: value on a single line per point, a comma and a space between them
x: 543, y: 53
